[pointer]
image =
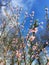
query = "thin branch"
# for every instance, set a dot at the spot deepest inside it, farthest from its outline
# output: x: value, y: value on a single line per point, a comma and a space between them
x: 5, y: 4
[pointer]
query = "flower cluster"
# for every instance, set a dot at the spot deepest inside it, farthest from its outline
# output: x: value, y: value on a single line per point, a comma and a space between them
x: 12, y: 42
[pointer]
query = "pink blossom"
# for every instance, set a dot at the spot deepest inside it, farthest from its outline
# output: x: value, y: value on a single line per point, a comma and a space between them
x: 31, y: 20
x: 32, y: 56
x: 34, y: 48
x: 28, y: 45
x: 32, y: 38
x: 16, y: 40
x: 18, y: 54
x: 48, y: 63
x: 33, y: 30
x: 2, y: 63
x: 46, y: 42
